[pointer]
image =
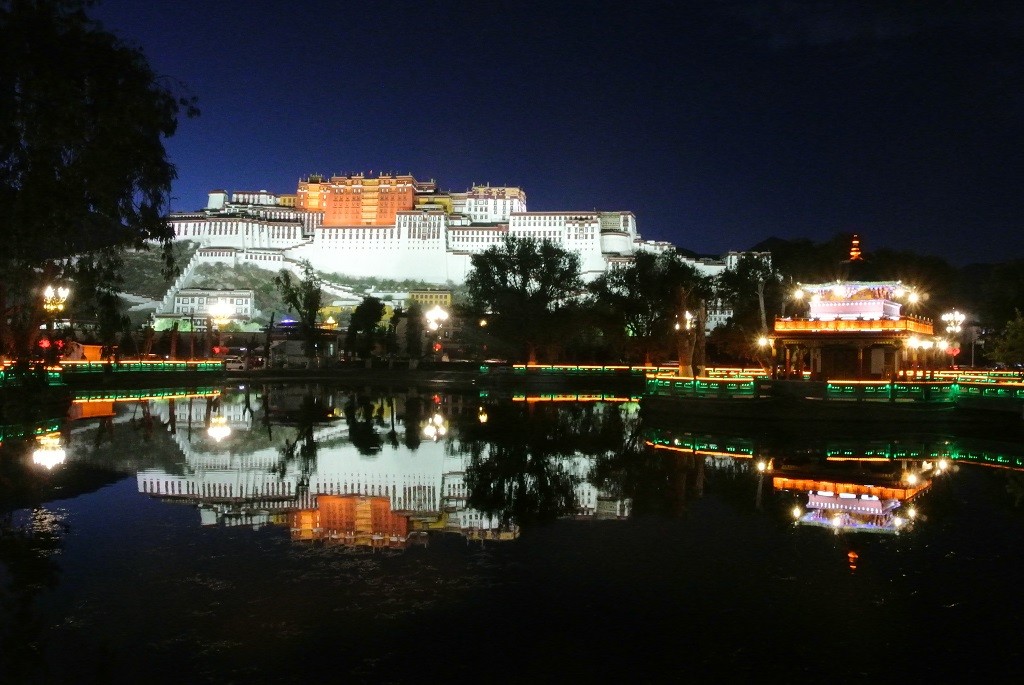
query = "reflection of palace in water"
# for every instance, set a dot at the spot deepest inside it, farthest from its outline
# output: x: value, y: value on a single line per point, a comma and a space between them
x: 349, y: 494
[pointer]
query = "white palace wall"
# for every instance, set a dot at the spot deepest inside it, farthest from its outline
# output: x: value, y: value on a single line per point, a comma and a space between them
x: 425, y: 245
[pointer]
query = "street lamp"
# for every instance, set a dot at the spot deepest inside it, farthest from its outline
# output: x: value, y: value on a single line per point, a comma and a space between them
x: 435, y: 319
x: 954, y: 321
x: 687, y: 322
x: 221, y: 312
x: 54, y: 299
x: 53, y: 304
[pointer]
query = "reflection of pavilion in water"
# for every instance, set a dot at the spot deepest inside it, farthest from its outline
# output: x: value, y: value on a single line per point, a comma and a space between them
x: 844, y: 485
x: 853, y: 506
x: 390, y: 498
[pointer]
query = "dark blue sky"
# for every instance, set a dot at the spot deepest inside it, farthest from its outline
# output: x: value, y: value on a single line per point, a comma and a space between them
x: 718, y: 123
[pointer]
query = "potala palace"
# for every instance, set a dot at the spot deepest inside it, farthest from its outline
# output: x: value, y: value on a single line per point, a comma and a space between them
x: 391, y: 227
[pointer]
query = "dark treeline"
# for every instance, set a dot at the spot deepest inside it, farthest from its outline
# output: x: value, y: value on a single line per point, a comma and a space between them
x: 656, y: 308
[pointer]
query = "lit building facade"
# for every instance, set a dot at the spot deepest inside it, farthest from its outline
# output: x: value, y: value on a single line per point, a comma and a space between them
x: 203, y: 302
x: 394, y: 226
x: 397, y: 227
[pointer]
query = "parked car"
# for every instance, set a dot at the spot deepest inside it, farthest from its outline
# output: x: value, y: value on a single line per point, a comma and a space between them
x: 234, y: 364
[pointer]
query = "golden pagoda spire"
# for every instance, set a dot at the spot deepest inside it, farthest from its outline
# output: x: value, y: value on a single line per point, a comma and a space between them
x: 855, y: 248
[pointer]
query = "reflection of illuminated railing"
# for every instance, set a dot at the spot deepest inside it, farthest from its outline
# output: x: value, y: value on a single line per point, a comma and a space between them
x: 100, y: 395
x: 690, y: 445
x: 563, y: 397
x: 13, y: 377
x: 902, y: 494
x: 19, y: 430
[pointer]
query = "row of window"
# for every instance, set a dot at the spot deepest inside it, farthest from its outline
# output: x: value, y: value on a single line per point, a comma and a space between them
x: 190, y: 309
x: 210, y: 300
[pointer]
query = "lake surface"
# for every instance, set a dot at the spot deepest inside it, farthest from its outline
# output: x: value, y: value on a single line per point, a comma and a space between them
x: 299, y: 532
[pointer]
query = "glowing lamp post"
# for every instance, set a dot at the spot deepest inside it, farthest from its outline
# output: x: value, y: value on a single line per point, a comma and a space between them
x: 221, y: 313
x: 220, y: 316
x: 53, y: 304
x: 54, y: 299
x: 435, y: 320
x: 954, y: 321
x: 436, y: 317
x: 684, y: 346
x: 766, y: 347
x: 687, y: 322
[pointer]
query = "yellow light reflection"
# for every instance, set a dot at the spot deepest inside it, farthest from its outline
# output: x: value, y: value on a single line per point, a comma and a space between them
x: 219, y: 428
x: 49, y: 451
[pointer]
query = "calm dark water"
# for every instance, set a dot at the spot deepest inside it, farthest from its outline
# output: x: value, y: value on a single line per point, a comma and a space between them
x: 325, y: 533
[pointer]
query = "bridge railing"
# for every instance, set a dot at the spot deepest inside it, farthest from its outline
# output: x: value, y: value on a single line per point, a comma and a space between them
x: 682, y: 386
x: 145, y: 365
x: 899, y: 391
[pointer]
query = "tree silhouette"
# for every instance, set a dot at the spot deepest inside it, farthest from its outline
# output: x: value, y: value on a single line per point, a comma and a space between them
x: 83, y: 170
x: 527, y: 288
x: 305, y: 298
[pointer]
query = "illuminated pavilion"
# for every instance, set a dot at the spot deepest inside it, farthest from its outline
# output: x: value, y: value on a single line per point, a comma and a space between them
x: 854, y: 329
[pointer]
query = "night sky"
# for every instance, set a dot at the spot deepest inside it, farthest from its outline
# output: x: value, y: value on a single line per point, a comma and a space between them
x: 718, y: 123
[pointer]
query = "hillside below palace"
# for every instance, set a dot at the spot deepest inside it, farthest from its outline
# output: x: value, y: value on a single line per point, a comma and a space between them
x: 396, y: 227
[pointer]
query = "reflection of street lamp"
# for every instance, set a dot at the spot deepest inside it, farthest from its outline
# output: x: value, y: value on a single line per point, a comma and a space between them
x: 49, y: 452
x: 219, y: 428
x: 436, y: 428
